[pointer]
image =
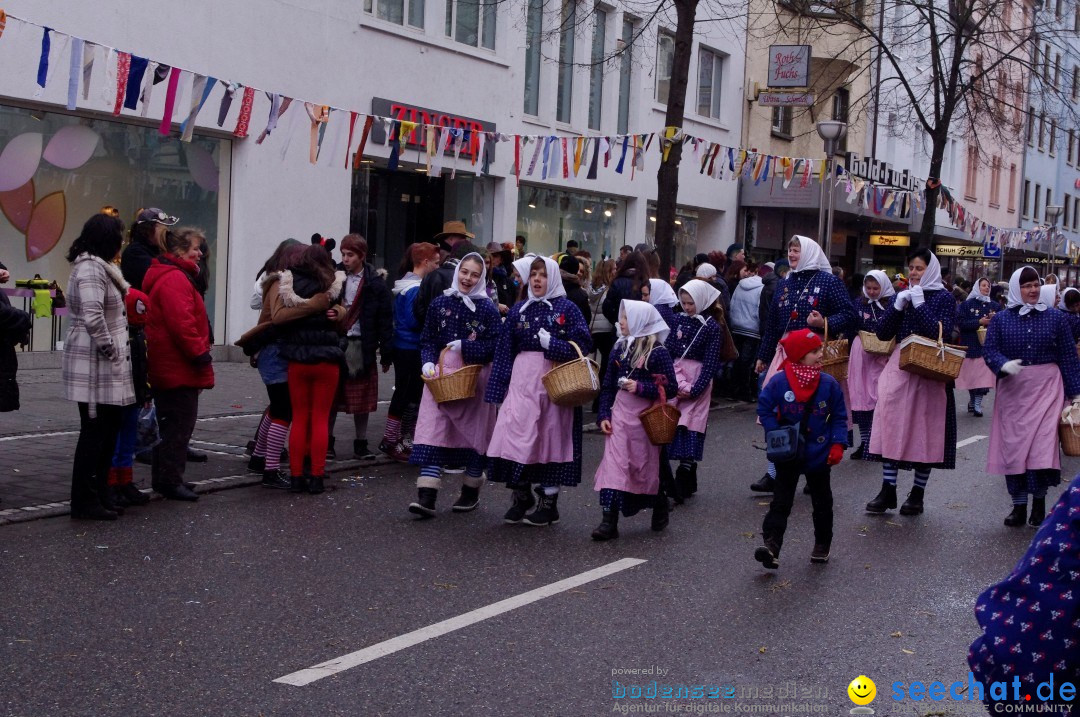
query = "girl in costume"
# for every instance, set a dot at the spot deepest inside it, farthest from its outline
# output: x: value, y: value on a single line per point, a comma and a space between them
x: 974, y: 376
x: 864, y: 368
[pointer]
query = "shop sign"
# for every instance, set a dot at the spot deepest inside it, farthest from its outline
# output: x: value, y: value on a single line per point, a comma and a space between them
x: 785, y: 99
x: 789, y: 66
x: 422, y: 115
x: 963, y: 251
x: 890, y: 240
x: 879, y: 171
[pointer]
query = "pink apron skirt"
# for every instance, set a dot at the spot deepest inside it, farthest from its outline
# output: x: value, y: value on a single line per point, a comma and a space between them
x: 630, y: 463
x: 530, y: 428
x: 467, y: 423
x: 909, y: 422
x: 864, y: 370
x: 1024, y: 428
x: 695, y: 411
x: 974, y: 373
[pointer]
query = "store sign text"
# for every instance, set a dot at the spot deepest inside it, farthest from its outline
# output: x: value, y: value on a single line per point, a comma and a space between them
x: 789, y: 66
x: 785, y: 99
x: 423, y: 116
x: 878, y: 171
x: 957, y: 250
x: 890, y: 240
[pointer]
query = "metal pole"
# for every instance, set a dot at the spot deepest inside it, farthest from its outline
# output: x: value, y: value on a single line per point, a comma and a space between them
x: 822, y: 210
x: 831, y: 212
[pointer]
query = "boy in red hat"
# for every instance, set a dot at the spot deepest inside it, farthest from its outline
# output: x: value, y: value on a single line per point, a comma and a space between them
x: 800, y: 395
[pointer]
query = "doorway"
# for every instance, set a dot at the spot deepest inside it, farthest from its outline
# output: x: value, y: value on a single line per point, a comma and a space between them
x: 393, y: 210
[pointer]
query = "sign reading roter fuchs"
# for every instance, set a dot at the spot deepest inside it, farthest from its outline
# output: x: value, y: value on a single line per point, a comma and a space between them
x: 789, y: 66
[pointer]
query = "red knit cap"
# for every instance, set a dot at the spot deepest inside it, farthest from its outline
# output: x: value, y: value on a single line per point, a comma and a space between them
x: 799, y: 343
x: 137, y: 305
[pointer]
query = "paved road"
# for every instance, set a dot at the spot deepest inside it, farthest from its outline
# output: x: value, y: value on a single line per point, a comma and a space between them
x: 196, y: 609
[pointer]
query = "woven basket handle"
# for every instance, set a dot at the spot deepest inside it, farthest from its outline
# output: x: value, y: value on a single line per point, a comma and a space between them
x: 663, y: 394
x: 826, y: 319
x: 441, y: 354
x: 940, y: 334
x: 577, y: 348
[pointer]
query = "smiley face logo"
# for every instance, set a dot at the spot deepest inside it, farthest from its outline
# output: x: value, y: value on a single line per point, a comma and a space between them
x: 862, y: 690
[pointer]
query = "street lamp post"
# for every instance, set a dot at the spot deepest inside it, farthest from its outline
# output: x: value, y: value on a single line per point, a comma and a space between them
x: 1053, y: 212
x: 832, y: 131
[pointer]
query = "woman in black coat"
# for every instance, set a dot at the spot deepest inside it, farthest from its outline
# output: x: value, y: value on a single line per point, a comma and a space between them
x: 14, y: 329
x: 632, y: 275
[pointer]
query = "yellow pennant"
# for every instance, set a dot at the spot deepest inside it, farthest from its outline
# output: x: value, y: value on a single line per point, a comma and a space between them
x: 669, y: 132
x: 3, y: 22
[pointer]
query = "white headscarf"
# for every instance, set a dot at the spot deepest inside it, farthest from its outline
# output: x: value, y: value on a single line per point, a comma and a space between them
x: 479, y: 291
x: 1066, y: 293
x: 931, y: 278
x: 661, y: 293
x: 642, y: 320
x: 1048, y: 295
x: 703, y: 293
x: 977, y: 294
x: 882, y: 279
x: 554, y: 288
x: 811, y: 256
x: 706, y: 271
x: 522, y: 265
x: 1015, y: 299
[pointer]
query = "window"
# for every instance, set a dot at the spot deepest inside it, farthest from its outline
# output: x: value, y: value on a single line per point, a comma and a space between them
x: 1076, y: 213
x: 472, y: 22
x: 1076, y: 83
x: 1031, y: 127
x: 665, y: 60
x: 566, y: 63
x: 1012, y: 187
x: 534, y: 28
x: 1072, y: 143
x: 781, y: 121
x: 1038, y: 197
x: 1035, y: 54
x: 1018, y: 106
x: 1006, y: 14
x: 596, y: 72
x: 1076, y: 24
x: 1066, y: 206
x: 1049, y: 201
x: 395, y: 11
x: 1025, y: 202
x: 971, y: 183
x: 995, y: 181
x: 1057, y: 71
x: 710, y: 82
x: 1046, y: 62
x: 1053, y: 137
x: 1058, y: 9
x: 625, y: 64
x: 841, y: 104
x: 1042, y: 131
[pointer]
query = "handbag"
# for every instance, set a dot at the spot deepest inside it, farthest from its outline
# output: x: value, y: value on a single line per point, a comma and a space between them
x: 728, y: 352
x: 787, y: 444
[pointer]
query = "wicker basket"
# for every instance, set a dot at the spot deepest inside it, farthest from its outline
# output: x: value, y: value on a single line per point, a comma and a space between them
x: 981, y: 333
x: 834, y: 356
x: 1069, y: 432
x: 453, y: 386
x: 873, y: 345
x: 935, y: 360
x: 660, y: 421
x: 574, y: 383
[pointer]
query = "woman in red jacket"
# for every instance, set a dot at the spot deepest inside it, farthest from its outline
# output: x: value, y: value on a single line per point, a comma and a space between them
x: 178, y: 346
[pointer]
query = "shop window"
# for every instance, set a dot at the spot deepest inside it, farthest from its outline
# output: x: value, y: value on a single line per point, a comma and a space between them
x: 781, y: 121
x: 396, y: 11
x: 549, y: 218
x: 472, y: 22
x: 566, y: 63
x: 665, y: 60
x: 534, y: 29
x: 127, y: 166
x: 625, y: 68
x: 686, y: 234
x: 596, y: 72
x: 710, y: 82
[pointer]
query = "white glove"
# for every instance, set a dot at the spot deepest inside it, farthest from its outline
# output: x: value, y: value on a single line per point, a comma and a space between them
x: 623, y: 381
x: 902, y: 299
x: 454, y: 345
x: 428, y: 370
x: 917, y: 297
x: 1011, y: 368
x: 545, y: 338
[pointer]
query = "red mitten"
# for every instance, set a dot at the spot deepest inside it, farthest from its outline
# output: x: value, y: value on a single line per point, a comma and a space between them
x: 836, y: 454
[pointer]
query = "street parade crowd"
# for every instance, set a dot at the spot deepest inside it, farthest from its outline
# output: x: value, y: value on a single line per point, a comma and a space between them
x: 474, y: 337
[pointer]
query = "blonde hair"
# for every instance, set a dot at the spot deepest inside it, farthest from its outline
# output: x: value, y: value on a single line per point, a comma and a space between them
x: 639, y: 350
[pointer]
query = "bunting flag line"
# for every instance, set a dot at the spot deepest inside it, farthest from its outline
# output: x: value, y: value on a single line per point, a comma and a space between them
x: 76, y: 67
x: 123, y: 67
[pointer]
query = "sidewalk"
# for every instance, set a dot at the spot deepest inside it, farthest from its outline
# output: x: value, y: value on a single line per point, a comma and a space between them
x: 37, y: 443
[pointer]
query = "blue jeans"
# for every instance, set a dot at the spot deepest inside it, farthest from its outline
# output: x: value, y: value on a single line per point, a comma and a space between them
x: 124, y: 455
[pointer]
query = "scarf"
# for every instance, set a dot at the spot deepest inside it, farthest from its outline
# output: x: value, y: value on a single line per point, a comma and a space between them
x: 803, y: 379
x: 555, y: 287
x: 887, y: 289
x: 479, y: 290
x: 661, y: 293
x: 976, y: 292
x: 811, y: 256
x: 642, y: 320
x: 1015, y: 298
x: 931, y: 278
x: 703, y: 295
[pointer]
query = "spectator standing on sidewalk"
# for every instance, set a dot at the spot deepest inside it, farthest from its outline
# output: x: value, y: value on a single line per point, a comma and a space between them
x: 96, y: 363
x: 147, y: 237
x: 14, y: 329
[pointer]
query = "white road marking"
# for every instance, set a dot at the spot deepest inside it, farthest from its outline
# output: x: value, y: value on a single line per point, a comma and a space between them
x: 969, y: 441
x: 401, y: 642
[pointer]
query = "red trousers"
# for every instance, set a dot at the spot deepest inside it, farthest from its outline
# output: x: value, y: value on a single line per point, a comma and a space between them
x: 312, y: 388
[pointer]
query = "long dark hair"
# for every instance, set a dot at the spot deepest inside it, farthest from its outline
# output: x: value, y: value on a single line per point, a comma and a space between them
x: 276, y: 262
x: 316, y: 263
x: 635, y: 268
x: 102, y: 236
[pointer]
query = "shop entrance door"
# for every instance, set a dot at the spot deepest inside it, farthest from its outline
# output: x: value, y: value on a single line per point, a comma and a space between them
x: 393, y: 210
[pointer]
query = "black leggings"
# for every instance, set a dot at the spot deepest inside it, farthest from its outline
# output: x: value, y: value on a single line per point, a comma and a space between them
x: 602, y: 343
x: 93, y: 454
x: 280, y: 403
x: 408, y: 384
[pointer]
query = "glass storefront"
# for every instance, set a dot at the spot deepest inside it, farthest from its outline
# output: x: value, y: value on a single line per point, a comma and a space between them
x: 549, y: 218
x: 58, y: 169
x: 686, y: 234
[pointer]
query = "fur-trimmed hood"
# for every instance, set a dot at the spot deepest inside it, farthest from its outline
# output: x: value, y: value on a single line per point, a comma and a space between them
x: 112, y: 270
x: 287, y: 288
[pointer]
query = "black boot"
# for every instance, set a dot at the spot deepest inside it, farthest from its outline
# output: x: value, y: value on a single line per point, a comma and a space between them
x: 117, y: 497
x: 858, y: 453
x: 298, y: 484
x: 331, y: 452
x: 609, y: 526
x: 913, y: 505
x: 523, y: 501
x: 424, y: 506
x: 659, y: 512
x: 546, y: 513
x: 768, y: 554
x: 92, y: 511
x: 1017, y: 517
x: 765, y: 485
x: 693, y: 478
x: 276, y: 479
x: 256, y: 464
x: 316, y: 485
x: 1038, y: 511
x: 134, y: 495
x: 885, y: 500
x: 468, y: 500
x: 682, y: 481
